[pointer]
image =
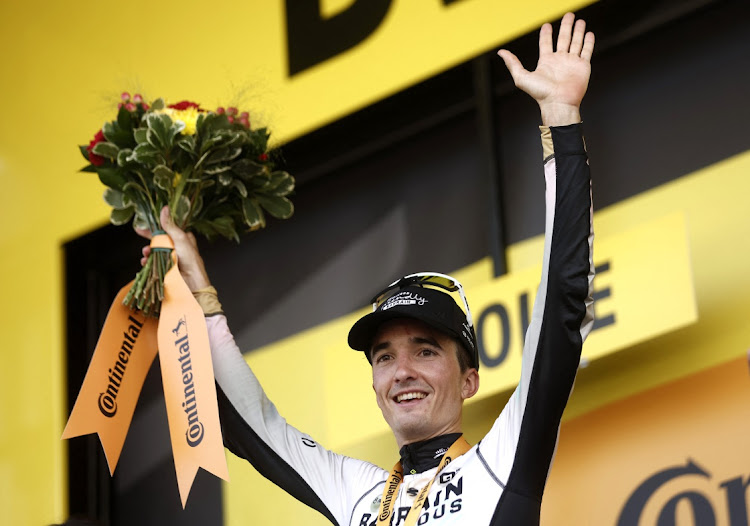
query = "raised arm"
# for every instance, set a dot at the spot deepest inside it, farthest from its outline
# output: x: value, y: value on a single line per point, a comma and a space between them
x: 252, y: 427
x: 522, y: 442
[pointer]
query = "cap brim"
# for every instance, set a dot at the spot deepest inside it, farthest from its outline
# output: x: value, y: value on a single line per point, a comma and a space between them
x: 363, y: 331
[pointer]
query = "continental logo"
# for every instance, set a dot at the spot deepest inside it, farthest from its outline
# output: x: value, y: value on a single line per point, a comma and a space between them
x: 704, y: 509
x: 393, y: 484
x: 195, y: 431
x: 108, y: 399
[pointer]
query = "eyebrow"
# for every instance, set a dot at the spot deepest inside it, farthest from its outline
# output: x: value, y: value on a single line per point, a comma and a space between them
x: 429, y: 340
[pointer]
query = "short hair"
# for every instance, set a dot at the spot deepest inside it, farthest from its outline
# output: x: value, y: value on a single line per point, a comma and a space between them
x: 464, y: 356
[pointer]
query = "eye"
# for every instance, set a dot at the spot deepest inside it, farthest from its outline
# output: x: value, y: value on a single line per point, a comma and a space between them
x: 382, y: 357
x: 427, y: 352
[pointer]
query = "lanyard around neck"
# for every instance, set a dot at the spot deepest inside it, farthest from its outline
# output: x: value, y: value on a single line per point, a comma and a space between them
x: 458, y: 448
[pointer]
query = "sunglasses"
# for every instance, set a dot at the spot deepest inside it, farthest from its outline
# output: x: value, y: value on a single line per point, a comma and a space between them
x: 430, y: 279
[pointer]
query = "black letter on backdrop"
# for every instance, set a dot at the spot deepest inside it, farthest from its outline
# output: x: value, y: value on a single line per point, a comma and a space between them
x: 312, y: 40
x: 737, y: 500
x: 703, y: 513
x: 500, y: 311
x: 609, y: 319
x: 523, y: 306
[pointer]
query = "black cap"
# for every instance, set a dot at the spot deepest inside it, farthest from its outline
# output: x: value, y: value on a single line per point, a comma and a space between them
x: 437, y: 309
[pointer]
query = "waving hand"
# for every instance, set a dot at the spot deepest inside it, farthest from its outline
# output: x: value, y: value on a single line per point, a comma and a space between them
x: 561, y: 77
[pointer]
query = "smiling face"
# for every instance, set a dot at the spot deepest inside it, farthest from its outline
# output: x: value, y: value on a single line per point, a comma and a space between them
x: 417, y: 380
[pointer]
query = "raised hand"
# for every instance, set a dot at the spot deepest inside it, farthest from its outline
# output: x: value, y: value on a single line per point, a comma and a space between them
x: 189, y: 259
x: 561, y: 77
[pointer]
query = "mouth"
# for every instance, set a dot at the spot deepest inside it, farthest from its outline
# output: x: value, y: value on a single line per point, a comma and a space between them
x: 410, y: 397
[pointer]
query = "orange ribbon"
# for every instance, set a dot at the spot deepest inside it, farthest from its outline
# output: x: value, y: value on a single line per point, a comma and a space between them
x: 123, y: 355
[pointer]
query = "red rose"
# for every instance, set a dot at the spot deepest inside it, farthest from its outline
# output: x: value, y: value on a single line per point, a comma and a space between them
x: 263, y: 157
x: 185, y: 104
x: 94, y: 159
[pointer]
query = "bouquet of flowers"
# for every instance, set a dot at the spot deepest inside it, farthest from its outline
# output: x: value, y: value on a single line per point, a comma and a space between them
x: 211, y: 167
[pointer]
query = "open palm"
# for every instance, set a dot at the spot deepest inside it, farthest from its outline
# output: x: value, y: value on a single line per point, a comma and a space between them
x: 562, y: 75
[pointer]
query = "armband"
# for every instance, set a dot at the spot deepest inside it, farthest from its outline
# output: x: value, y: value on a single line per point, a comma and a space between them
x: 208, y: 299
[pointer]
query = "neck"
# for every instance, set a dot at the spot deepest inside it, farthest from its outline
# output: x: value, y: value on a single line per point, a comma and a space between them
x: 413, y: 438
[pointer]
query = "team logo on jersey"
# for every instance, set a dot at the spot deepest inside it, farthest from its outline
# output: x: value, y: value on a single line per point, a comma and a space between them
x: 440, y: 452
x: 309, y: 442
x: 445, y: 478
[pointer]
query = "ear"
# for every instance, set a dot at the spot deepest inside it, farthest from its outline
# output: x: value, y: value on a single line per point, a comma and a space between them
x: 470, y: 383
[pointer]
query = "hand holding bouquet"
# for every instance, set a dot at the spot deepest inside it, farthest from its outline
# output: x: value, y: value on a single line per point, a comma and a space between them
x: 211, y: 168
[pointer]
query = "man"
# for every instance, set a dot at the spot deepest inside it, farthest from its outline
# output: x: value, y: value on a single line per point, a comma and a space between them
x: 424, y: 361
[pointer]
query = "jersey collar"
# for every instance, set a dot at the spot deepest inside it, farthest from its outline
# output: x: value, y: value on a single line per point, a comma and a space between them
x: 425, y: 455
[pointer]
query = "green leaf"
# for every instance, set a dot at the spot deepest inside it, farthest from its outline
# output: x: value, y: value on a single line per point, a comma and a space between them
x: 123, y: 156
x: 225, y: 179
x: 163, y: 177
x: 175, y: 130
x: 217, y: 169
x: 214, y: 123
x: 224, y: 225
x: 240, y: 186
x: 84, y: 151
x: 186, y: 143
x: 106, y: 149
x: 159, y: 135
x: 278, y: 207
x: 140, y: 135
x: 259, y: 139
x: 158, y: 104
x: 111, y: 177
x: 132, y: 186
x: 280, y: 184
x: 246, y: 168
x: 116, y: 135
x: 181, y: 210
x: 120, y: 216
x: 114, y: 198
x: 125, y: 120
x: 223, y: 154
x: 145, y: 154
x: 197, y: 205
x: 210, y: 142
x: 140, y: 221
x: 254, y: 218
x: 88, y: 168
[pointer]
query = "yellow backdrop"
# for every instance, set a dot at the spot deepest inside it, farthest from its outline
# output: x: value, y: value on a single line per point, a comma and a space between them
x: 63, y: 69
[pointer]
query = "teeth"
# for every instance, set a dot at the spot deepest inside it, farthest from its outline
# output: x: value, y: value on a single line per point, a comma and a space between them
x: 409, y: 396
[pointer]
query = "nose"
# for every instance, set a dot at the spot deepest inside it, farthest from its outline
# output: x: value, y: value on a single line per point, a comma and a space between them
x: 405, y: 368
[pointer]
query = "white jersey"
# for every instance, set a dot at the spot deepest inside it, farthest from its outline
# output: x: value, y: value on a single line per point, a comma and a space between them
x: 501, y: 479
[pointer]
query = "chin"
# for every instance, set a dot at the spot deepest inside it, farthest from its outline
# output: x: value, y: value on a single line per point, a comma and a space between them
x: 413, y: 431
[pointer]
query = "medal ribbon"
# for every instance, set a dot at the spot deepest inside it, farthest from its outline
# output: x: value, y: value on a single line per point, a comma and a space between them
x: 458, y: 448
